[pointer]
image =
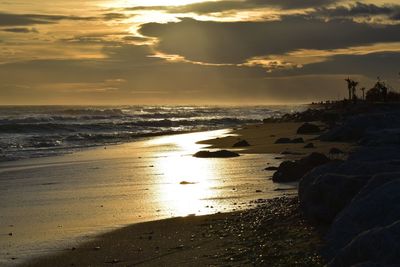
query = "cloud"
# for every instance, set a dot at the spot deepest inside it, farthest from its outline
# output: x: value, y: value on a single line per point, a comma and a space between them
x: 229, y: 5
x: 234, y: 42
x: 20, y: 30
x: 9, y: 19
x: 358, y: 9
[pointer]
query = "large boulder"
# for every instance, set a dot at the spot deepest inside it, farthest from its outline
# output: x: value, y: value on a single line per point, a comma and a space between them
x: 328, y: 194
x: 381, y: 207
x: 381, y: 137
x: 348, y: 168
x: 290, y: 171
x: 216, y: 154
x: 308, y: 128
x: 380, y: 245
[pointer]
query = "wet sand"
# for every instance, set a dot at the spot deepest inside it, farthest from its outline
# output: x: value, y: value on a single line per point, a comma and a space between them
x: 52, y: 203
x: 271, y: 235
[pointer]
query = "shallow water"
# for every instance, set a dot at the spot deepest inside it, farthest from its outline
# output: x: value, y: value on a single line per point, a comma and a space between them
x: 52, y: 203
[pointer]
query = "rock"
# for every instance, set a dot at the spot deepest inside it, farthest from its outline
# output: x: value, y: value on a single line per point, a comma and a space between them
x: 374, y: 154
x: 328, y: 194
x: 242, y: 143
x: 271, y: 168
x: 360, y: 126
x: 290, y: 171
x: 309, y: 145
x: 216, y: 154
x: 335, y: 151
x: 283, y: 140
x: 379, y: 208
x: 310, y: 177
x: 297, y: 141
x: 380, y: 245
x: 308, y: 128
x: 377, y: 181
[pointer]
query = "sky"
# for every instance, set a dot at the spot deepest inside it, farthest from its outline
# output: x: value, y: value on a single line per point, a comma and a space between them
x: 239, y: 52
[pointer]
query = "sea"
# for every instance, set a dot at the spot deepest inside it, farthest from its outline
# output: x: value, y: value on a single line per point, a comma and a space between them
x: 37, y: 131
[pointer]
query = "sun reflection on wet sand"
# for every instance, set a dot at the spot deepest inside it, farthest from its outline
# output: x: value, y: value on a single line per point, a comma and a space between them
x: 185, y: 180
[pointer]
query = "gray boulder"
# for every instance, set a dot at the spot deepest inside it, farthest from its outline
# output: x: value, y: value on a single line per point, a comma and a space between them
x: 380, y: 245
x: 381, y: 207
x: 374, y: 154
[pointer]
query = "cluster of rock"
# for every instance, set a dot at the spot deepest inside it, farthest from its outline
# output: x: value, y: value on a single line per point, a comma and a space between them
x: 359, y: 199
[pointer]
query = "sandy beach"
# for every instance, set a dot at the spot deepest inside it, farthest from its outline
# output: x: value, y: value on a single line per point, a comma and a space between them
x: 238, y: 185
x: 56, y: 202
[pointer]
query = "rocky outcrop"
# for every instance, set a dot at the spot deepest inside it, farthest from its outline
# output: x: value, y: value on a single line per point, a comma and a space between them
x: 290, y: 171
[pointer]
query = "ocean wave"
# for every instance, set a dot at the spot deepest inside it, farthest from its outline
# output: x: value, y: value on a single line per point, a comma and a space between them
x: 39, y: 131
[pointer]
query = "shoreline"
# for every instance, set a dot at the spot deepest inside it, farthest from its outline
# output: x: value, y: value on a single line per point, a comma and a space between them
x: 274, y: 130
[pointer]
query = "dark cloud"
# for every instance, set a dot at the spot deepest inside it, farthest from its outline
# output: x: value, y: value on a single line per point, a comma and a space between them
x: 9, y: 19
x: 234, y: 42
x: 358, y: 9
x: 115, y: 16
x: 20, y: 30
x: 222, y: 6
x: 182, y: 82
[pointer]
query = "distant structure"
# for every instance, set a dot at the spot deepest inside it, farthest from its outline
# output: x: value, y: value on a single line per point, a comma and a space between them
x: 379, y: 92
